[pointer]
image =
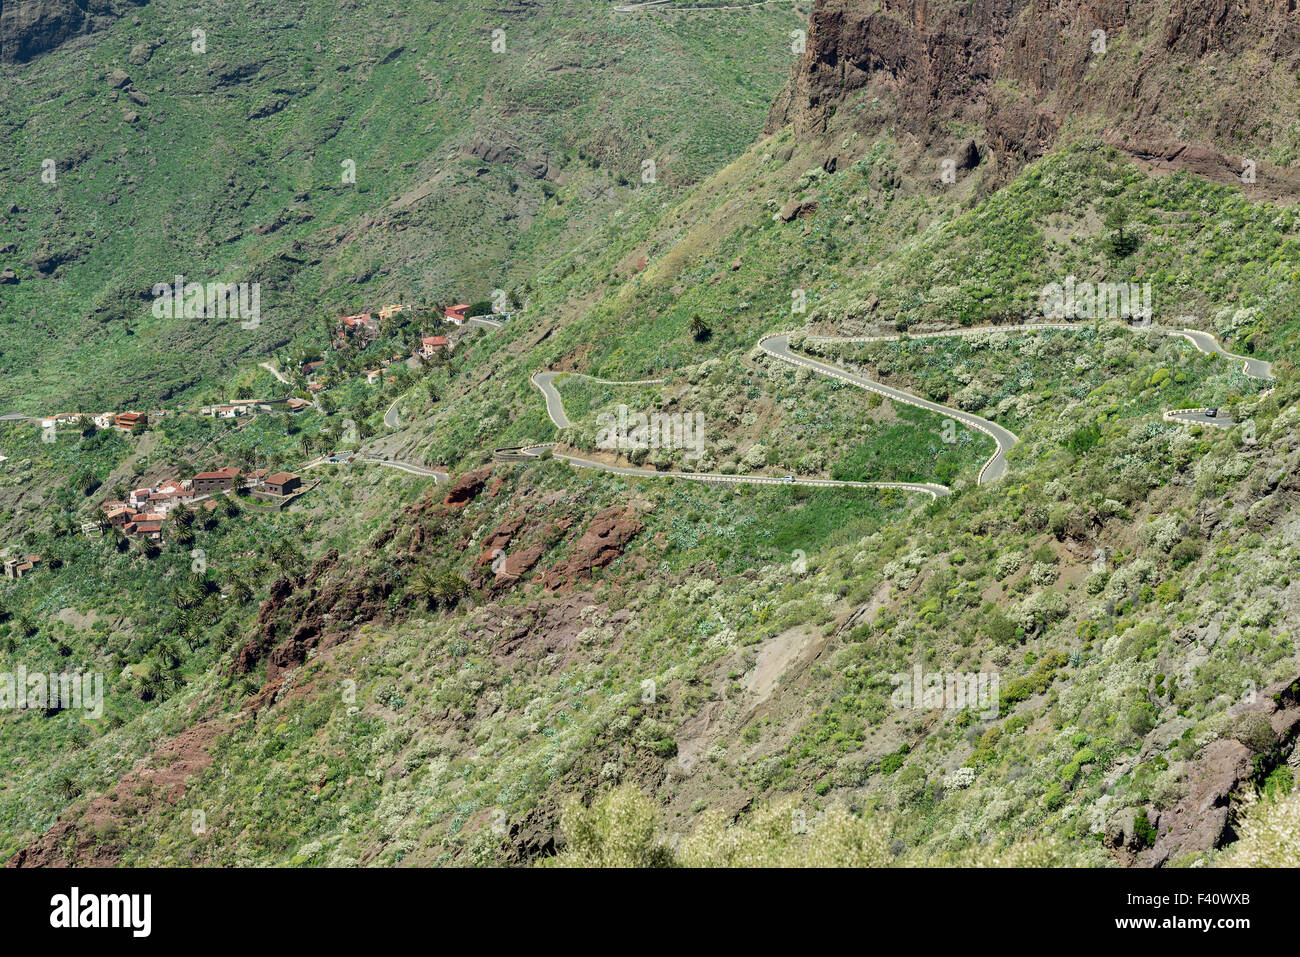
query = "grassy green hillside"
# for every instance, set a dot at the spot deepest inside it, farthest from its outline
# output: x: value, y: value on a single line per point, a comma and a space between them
x: 535, y: 662
x: 471, y: 167
x: 1087, y: 579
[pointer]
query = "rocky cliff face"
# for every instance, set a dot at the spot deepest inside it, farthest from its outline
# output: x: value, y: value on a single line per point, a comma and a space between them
x: 31, y: 27
x: 1217, y: 72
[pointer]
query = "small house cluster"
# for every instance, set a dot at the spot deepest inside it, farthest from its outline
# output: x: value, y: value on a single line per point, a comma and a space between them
x: 431, y: 346
x: 234, y: 409
x: 218, y: 480
x: 146, y: 509
x: 280, y: 484
x: 123, y: 421
x: 20, y: 566
x: 459, y: 314
x: 364, y: 327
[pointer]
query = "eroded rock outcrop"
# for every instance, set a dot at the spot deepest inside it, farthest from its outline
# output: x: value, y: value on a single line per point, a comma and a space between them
x: 600, y: 544
x: 29, y: 28
x: 83, y: 835
x: 1019, y: 69
x: 467, y: 486
x: 1203, y: 820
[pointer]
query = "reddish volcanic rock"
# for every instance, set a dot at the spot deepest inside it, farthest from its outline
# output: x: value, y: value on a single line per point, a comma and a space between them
x: 1019, y: 68
x: 600, y: 544
x: 80, y: 838
x: 467, y: 486
x: 1202, y: 820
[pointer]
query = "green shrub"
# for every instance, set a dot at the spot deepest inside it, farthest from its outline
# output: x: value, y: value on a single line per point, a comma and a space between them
x: 1144, y: 834
x: 1141, y: 718
x: 1254, y: 730
x: 1279, y: 782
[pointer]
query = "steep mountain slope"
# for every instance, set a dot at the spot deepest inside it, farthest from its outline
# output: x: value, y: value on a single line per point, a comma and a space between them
x: 339, y: 157
x: 1152, y: 76
x: 32, y: 27
x: 392, y: 672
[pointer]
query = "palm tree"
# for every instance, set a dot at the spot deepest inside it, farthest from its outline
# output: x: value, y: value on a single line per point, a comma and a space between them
x: 238, y: 589
x: 170, y: 682
x: 1117, y: 219
x: 700, y: 330
x: 167, y: 654
x: 192, y: 638
x: 425, y: 587
x: 184, y: 598
x: 87, y: 482
x: 451, y: 588
x: 67, y: 787
x: 286, y: 556
x: 201, y: 584
x: 181, y: 622
x: 439, y: 587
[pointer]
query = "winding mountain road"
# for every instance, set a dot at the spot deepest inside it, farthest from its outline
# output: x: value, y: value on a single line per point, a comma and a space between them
x: 408, y: 467
x: 391, y: 419
x: 1255, y: 368
x: 777, y: 345
x: 545, y: 381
